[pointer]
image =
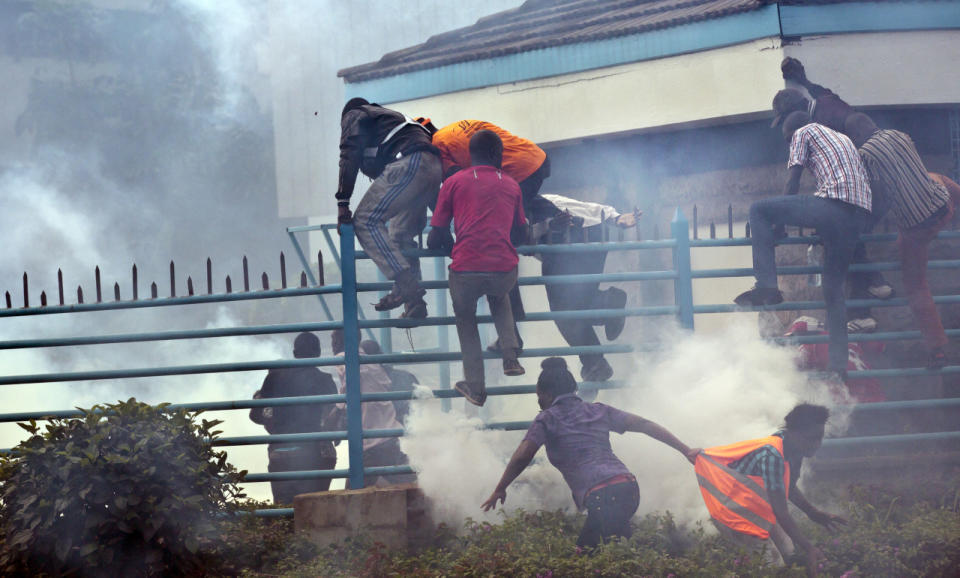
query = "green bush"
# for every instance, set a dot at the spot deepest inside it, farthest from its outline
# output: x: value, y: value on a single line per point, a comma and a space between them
x: 126, y: 489
x: 889, y: 535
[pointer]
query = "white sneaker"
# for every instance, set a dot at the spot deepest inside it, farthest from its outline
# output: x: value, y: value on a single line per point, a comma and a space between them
x: 881, y: 291
x: 862, y: 325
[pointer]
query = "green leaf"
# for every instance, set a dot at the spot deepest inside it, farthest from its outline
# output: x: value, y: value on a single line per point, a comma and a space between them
x: 30, y: 427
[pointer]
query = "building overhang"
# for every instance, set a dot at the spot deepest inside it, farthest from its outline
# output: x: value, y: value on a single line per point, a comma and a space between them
x: 784, y: 20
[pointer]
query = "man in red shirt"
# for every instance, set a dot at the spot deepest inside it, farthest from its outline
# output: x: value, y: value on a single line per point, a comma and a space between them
x: 485, y: 205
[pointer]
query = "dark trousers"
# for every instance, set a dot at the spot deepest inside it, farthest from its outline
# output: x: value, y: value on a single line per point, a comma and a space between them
x: 609, y: 511
x: 577, y: 296
x: 386, y: 453
x: 839, y: 225
x: 465, y: 289
x: 295, y: 458
x: 530, y: 189
x: 914, y: 255
x: 860, y: 282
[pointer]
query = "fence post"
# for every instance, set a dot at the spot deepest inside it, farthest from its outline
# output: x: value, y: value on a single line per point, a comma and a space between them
x: 386, y: 336
x: 683, y: 284
x: 443, y: 331
x: 351, y: 354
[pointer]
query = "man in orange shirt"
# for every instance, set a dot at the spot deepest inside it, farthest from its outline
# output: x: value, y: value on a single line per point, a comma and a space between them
x: 523, y: 160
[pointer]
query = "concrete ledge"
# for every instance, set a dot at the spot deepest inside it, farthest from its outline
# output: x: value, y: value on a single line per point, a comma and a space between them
x: 394, y: 515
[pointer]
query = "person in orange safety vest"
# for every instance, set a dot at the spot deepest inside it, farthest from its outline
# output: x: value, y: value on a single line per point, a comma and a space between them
x: 746, y: 485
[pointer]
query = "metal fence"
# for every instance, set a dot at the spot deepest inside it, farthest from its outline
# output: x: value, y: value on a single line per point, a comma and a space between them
x: 681, y: 275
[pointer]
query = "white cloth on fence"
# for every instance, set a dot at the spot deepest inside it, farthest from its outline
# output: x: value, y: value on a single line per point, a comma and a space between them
x: 589, y: 212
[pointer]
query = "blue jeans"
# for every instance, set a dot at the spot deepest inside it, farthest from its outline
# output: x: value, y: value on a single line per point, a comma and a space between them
x: 839, y: 226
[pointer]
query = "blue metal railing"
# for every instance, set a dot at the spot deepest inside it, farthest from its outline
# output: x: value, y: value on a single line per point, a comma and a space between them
x: 683, y: 308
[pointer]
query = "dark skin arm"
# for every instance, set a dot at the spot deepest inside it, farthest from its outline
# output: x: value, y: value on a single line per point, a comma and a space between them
x: 661, y: 434
x: 829, y: 521
x: 518, y: 462
x: 793, y: 180
x: 778, y: 501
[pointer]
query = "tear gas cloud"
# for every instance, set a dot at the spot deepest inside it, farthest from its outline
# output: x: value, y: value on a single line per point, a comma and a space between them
x: 708, y: 389
x: 150, y: 136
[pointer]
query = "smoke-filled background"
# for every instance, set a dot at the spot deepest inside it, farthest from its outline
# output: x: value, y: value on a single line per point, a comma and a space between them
x: 144, y: 132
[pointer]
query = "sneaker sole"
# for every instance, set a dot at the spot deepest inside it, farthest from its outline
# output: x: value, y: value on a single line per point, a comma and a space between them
x: 467, y: 395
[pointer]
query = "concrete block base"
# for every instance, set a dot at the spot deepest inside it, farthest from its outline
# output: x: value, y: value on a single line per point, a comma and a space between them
x: 394, y: 515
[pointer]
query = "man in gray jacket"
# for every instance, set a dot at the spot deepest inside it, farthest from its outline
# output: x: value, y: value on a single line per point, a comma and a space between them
x: 394, y: 151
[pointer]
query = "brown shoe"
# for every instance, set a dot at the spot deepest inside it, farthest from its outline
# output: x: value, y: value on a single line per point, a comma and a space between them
x: 512, y: 367
x: 475, y: 393
x: 415, y: 309
x: 390, y: 301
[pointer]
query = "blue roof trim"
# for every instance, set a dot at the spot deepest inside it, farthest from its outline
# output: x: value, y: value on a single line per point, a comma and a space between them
x: 869, y: 17
x: 571, y: 58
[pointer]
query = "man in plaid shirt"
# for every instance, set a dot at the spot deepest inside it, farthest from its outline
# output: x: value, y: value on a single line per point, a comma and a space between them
x: 839, y: 211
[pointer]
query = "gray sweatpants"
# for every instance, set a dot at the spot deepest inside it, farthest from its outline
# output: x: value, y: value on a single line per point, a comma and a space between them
x: 400, y: 195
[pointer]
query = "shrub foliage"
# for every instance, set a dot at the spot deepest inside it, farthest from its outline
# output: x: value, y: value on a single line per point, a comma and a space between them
x: 890, y: 535
x: 126, y: 489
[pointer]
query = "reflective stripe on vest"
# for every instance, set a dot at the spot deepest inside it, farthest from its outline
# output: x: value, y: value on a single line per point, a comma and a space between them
x: 371, y: 152
x: 736, y: 500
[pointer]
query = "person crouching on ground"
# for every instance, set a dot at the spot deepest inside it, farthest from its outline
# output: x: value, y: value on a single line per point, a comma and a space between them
x: 839, y: 211
x: 577, y: 436
x: 484, y: 205
x: 746, y: 486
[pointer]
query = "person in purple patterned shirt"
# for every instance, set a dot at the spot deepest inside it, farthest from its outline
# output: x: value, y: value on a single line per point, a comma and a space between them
x: 577, y: 436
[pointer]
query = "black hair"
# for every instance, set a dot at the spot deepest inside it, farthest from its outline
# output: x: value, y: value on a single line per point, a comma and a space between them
x: 555, y: 379
x: 336, y: 341
x: 306, y: 345
x: 786, y: 101
x: 859, y: 127
x: 806, y: 415
x: 355, y: 102
x: 370, y: 347
x: 486, y: 148
x: 795, y: 120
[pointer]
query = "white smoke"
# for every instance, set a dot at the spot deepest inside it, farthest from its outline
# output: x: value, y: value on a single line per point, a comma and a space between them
x: 707, y: 389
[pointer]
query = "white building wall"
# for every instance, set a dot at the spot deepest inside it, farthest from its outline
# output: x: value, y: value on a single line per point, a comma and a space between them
x: 710, y: 87
x: 311, y: 41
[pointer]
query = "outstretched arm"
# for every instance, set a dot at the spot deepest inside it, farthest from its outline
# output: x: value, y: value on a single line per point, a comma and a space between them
x: 518, y: 462
x: 661, y: 434
x: 825, y: 519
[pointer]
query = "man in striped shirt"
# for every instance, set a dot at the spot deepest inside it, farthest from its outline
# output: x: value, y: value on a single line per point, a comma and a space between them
x: 827, y: 108
x: 839, y: 211
x: 923, y: 204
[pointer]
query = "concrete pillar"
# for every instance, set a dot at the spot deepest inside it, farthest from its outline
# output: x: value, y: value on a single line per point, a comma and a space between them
x: 394, y: 515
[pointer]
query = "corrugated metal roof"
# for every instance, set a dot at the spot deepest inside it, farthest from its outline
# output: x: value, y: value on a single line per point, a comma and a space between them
x: 540, y: 24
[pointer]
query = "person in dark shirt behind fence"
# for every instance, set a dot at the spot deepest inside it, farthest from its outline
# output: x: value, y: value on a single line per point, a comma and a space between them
x: 577, y: 436
x: 485, y: 206
x: 287, y: 419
